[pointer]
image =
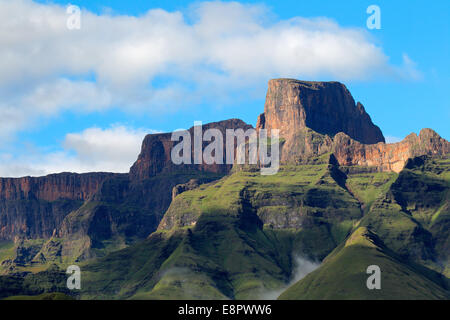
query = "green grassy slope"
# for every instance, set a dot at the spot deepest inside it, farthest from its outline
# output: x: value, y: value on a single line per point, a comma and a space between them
x: 219, y: 258
x: 368, y: 185
x: 236, y: 238
x: 343, y: 274
x: 43, y: 296
x: 121, y: 273
x: 51, y: 280
x: 238, y: 234
x: 304, y: 199
x: 413, y: 217
x: 120, y: 214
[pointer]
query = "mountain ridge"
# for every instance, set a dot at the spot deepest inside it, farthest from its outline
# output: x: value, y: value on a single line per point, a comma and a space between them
x: 228, y: 232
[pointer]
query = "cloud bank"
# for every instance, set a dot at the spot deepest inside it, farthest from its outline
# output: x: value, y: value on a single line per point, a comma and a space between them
x: 113, y: 149
x: 158, y: 62
x: 161, y: 60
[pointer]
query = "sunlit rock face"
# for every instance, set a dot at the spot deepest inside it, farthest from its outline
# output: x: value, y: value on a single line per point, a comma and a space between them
x: 388, y: 157
x: 315, y: 118
x: 325, y: 107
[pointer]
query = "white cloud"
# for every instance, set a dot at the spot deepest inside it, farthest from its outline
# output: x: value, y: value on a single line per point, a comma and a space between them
x: 392, y: 139
x: 114, y: 149
x: 209, y: 50
x: 409, y: 69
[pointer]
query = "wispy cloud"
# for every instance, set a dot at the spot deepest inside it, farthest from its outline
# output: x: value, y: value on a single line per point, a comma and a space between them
x: 408, y: 70
x: 302, y: 267
x: 392, y: 139
x: 113, y: 149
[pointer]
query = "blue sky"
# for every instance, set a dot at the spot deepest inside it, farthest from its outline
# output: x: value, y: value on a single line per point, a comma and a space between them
x: 400, y: 73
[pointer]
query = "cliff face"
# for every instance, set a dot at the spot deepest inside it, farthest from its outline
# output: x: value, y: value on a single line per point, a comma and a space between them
x: 325, y: 107
x: 388, y: 157
x: 307, y: 144
x: 315, y: 118
x: 156, y: 149
x: 115, y: 205
x: 70, y: 186
x: 35, y: 206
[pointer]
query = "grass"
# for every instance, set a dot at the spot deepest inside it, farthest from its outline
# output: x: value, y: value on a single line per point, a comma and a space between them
x: 235, y: 238
x: 43, y: 296
x: 227, y: 239
x: 6, y: 250
x: 343, y: 275
x: 271, y: 196
x: 369, y: 186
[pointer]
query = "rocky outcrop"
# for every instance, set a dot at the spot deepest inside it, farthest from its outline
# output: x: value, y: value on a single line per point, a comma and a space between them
x: 325, y: 107
x: 388, y: 157
x: 65, y: 185
x: 180, y: 188
x: 100, y: 206
x: 315, y: 118
x: 155, y: 156
x: 306, y: 145
x: 33, y: 207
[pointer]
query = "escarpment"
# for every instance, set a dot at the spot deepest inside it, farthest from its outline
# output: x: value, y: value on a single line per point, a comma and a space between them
x: 102, y: 206
x: 389, y: 157
x: 155, y: 156
x: 52, y: 187
x: 315, y: 118
x: 34, y: 207
x: 325, y: 107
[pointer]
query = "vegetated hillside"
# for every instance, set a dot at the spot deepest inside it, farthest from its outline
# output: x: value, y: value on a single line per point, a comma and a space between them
x: 120, y: 213
x: 411, y: 243
x: 41, y: 284
x: 66, y: 218
x: 237, y: 237
x: 43, y: 296
x: 413, y: 217
x: 343, y: 274
x: 198, y: 231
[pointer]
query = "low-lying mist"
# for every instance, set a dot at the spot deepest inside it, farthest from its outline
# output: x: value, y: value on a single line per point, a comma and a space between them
x: 302, y: 267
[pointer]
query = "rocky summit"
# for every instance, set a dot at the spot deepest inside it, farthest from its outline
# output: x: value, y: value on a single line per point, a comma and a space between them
x: 325, y: 107
x: 342, y: 198
x: 315, y: 118
x: 389, y: 157
x: 156, y: 151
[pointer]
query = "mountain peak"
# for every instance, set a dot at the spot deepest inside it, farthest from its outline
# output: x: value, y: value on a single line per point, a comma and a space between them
x: 325, y: 107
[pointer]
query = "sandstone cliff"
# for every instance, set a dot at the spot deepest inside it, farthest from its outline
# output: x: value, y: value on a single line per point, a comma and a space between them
x: 306, y: 144
x: 325, y: 107
x: 388, y: 157
x: 103, y: 205
x: 315, y: 118
x: 65, y: 185
x: 156, y: 149
x: 34, y: 207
